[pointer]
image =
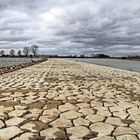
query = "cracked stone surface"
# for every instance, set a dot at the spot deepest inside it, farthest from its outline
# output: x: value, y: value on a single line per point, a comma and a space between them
x: 53, y: 133
x: 17, y: 113
x: 115, y: 121
x: 14, y: 121
x: 95, y: 118
x: 123, y: 130
x: 81, y: 122
x: 67, y: 107
x: 61, y: 99
x: 61, y: 122
x: 70, y: 115
x: 103, y: 138
x: 77, y: 132
x: 136, y: 127
x: 9, y: 132
x: 1, y: 124
x: 27, y: 136
x: 127, y: 137
x: 103, y: 129
x: 29, y: 126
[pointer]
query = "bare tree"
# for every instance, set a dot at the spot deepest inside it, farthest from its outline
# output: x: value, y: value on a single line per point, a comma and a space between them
x: 34, y: 49
x: 19, y: 53
x: 26, y: 51
x: 2, y: 53
x: 12, y: 52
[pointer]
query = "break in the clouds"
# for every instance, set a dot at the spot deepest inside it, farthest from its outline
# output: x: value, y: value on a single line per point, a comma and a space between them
x: 71, y: 26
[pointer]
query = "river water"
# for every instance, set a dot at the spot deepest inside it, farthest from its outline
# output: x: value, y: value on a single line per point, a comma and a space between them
x: 5, y: 62
x: 114, y: 63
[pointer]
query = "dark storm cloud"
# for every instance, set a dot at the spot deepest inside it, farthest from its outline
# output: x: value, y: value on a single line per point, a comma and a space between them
x: 71, y: 26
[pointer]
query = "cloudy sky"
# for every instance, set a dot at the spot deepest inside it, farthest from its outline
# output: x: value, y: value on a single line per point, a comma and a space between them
x: 67, y: 27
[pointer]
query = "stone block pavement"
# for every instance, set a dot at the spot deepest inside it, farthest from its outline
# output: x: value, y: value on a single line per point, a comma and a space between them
x: 64, y: 100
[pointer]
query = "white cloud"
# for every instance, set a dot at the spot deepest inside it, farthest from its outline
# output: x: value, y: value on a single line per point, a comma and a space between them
x: 71, y: 26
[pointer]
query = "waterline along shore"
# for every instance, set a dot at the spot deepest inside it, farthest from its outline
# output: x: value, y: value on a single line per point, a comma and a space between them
x: 65, y: 100
x: 20, y: 66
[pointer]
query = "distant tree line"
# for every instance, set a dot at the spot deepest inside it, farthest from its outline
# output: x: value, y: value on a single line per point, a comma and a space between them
x: 78, y: 56
x: 99, y: 56
x: 136, y: 57
x: 131, y: 57
x: 91, y: 56
x: 26, y: 52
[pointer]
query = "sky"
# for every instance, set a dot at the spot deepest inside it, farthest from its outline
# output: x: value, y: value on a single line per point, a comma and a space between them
x: 67, y: 27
